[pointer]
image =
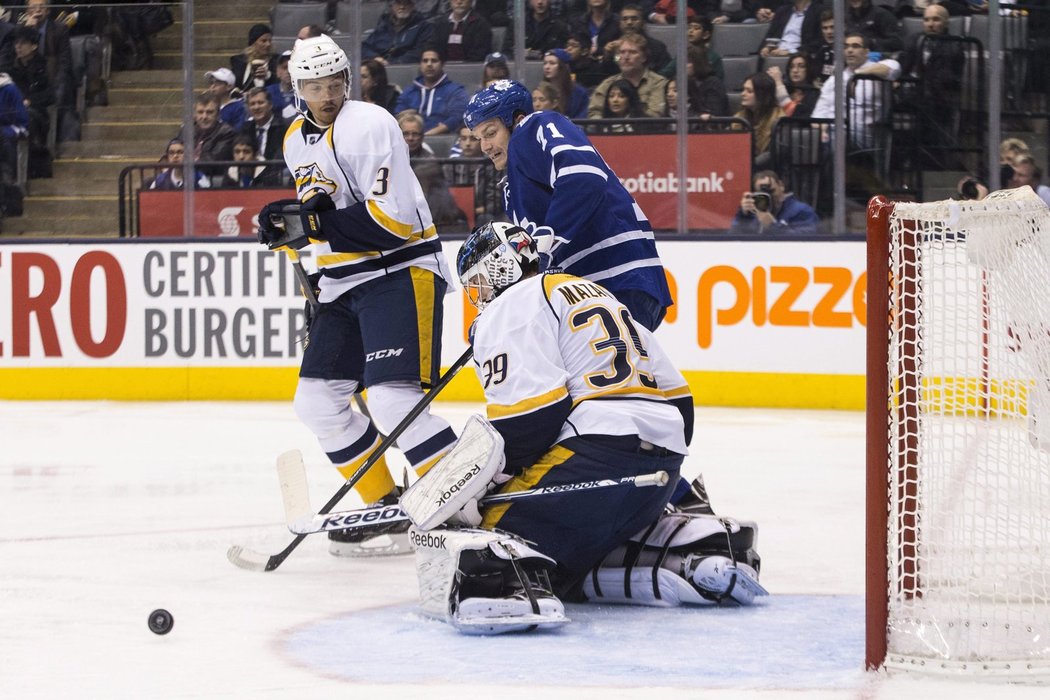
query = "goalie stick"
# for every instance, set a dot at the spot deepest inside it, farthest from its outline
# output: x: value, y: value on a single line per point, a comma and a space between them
x: 303, y: 521
x: 256, y: 561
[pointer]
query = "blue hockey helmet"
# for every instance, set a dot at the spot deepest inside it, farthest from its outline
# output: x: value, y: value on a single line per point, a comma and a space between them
x: 503, y: 99
x: 494, y: 257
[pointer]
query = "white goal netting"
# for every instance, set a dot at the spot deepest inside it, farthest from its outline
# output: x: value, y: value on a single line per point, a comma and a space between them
x: 969, y: 436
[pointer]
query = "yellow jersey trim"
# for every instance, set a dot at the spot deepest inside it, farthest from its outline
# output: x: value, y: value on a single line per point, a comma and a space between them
x: 497, y: 411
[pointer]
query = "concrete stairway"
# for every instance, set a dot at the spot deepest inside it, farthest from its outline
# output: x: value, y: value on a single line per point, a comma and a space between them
x: 144, y: 113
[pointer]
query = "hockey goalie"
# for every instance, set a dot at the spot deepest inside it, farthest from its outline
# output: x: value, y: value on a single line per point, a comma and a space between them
x: 576, y: 392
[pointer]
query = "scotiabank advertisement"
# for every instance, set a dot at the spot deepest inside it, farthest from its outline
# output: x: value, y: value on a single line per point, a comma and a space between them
x: 719, y: 173
x: 754, y: 323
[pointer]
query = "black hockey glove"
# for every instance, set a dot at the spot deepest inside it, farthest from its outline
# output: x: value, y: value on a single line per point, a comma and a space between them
x: 314, y: 202
x: 272, y: 231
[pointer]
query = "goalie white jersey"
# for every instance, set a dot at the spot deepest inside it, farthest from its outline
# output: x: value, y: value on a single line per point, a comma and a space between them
x: 559, y: 355
x: 382, y: 222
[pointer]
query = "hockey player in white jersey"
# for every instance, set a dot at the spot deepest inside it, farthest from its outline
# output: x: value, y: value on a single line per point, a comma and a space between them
x: 383, y: 277
x: 576, y: 392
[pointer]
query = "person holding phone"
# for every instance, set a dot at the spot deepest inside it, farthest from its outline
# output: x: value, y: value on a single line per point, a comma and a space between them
x: 769, y: 209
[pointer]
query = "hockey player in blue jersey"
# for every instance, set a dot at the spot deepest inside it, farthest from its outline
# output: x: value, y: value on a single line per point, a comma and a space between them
x: 561, y: 190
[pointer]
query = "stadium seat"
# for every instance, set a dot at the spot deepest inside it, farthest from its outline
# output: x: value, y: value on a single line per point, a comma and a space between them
x: 667, y: 33
x: 286, y: 18
x: 738, y: 39
x: 282, y: 44
x: 497, y: 38
x: 371, y: 11
x: 737, y: 69
x: 441, y: 144
x: 1014, y: 31
x: 778, y: 61
x: 913, y: 25
x: 402, y: 74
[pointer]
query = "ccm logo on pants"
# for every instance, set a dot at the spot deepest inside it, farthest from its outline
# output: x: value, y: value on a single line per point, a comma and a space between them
x: 380, y: 354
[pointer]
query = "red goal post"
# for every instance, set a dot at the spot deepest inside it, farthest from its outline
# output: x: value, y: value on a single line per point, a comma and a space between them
x: 958, y: 462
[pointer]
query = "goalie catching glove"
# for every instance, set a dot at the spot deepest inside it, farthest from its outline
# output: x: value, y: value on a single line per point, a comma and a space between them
x: 450, y: 491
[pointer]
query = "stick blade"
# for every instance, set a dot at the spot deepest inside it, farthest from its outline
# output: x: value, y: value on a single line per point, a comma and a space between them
x: 248, y: 559
x: 295, y: 492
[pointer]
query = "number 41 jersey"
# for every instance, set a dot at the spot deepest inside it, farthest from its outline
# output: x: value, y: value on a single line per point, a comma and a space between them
x: 558, y: 355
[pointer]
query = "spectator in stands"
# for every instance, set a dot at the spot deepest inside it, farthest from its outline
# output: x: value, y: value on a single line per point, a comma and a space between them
x: 557, y: 71
x: 1011, y: 148
x: 439, y: 99
x: 600, y: 24
x: 1026, y: 172
x: 463, y: 35
x: 770, y: 210
x: 212, y: 140
x: 14, y: 122
x: 29, y: 72
x: 587, y: 71
x: 54, y: 46
x: 495, y: 68
x: 698, y: 34
x: 671, y: 98
x: 399, y: 36
x: 256, y: 66
x: 795, y: 27
x: 241, y: 176
x: 468, y: 146
x: 171, y: 178
x: 866, y: 102
x: 545, y: 97
x: 711, y: 97
x: 877, y: 24
x: 666, y: 12
x: 376, y: 87
x: 633, y: 61
x: 621, y: 104
x: 281, y: 93
x: 488, y: 194
x: 936, y: 64
x: 543, y: 31
x: 796, y: 93
x: 266, y: 129
x: 631, y: 21
x: 824, y: 57
x: 309, y: 31
x: 221, y: 83
x: 760, y: 11
x: 428, y: 170
x: 758, y: 105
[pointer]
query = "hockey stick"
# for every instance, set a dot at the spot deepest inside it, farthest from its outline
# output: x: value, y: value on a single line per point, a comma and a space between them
x: 256, y: 561
x: 302, y: 521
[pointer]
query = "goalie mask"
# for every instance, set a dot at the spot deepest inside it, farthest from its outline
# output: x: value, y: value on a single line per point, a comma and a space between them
x: 494, y: 257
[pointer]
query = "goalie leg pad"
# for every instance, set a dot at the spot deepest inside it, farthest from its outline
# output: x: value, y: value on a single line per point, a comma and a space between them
x: 483, y: 582
x: 682, y: 558
x: 458, y: 480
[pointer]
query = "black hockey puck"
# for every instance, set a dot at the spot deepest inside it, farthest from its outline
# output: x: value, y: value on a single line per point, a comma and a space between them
x: 161, y: 621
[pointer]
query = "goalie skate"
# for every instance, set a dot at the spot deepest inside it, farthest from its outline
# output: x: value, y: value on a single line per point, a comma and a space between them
x: 383, y: 539
x: 511, y: 614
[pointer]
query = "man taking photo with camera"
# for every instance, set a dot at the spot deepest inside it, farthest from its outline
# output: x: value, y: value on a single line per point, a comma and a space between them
x: 770, y: 210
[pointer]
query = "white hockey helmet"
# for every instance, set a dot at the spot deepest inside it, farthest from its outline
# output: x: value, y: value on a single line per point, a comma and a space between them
x: 318, y: 57
x: 494, y: 257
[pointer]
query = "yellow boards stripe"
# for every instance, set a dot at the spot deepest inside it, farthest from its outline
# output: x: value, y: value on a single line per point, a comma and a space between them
x: 526, y: 480
x: 423, y: 287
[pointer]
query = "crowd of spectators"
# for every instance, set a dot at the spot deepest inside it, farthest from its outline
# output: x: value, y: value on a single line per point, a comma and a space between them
x: 601, y: 62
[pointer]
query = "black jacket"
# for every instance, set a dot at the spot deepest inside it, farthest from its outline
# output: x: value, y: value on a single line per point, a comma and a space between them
x: 811, y: 37
x: 477, y: 38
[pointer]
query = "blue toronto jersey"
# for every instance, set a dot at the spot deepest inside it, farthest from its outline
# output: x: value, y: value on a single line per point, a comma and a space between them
x: 556, y: 179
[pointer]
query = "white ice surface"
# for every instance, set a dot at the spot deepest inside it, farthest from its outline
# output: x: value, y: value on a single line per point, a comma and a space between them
x: 109, y: 510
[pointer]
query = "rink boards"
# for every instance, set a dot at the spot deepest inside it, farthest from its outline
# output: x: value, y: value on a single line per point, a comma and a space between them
x: 755, y: 323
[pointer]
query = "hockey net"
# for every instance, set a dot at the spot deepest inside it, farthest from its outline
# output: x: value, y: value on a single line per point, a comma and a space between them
x: 958, y: 425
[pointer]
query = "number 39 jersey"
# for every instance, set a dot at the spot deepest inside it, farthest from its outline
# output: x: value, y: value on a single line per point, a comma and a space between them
x: 558, y: 355
x: 381, y: 222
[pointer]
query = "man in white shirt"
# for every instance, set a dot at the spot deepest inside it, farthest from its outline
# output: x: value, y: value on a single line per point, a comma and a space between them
x: 865, y: 106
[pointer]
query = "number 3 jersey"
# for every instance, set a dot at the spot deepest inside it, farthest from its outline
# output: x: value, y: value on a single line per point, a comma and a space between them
x: 556, y: 178
x: 381, y: 222
x: 558, y: 356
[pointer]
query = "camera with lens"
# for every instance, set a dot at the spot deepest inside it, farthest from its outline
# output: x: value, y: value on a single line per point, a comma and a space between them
x: 763, y: 199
